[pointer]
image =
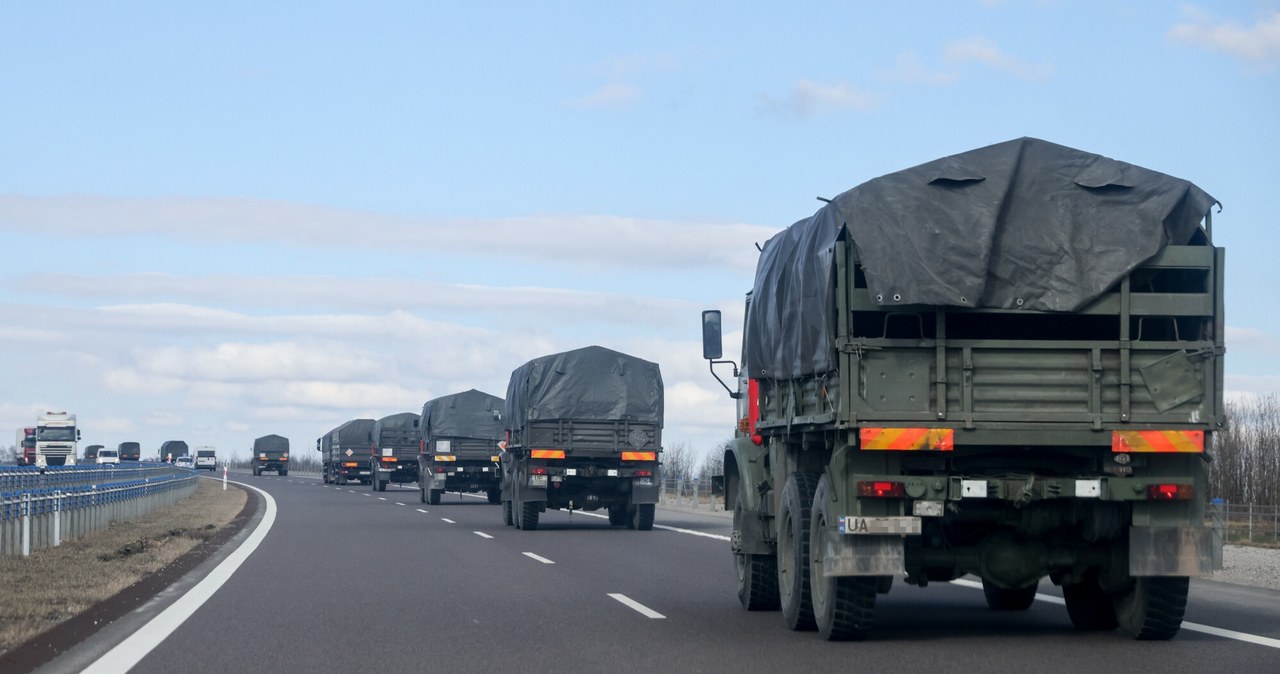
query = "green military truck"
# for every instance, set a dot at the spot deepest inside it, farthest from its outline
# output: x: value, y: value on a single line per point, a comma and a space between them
x: 170, y: 450
x: 394, y: 458
x: 1005, y: 363
x: 344, y: 452
x: 270, y: 452
x: 131, y: 451
x: 584, y: 432
x: 459, y: 436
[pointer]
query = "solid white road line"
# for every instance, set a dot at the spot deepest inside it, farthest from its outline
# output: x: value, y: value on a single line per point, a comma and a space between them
x: 399, y: 503
x: 482, y: 534
x: 692, y: 532
x: 1194, y: 627
x: 637, y: 606
x: 540, y: 558
x: 446, y: 519
x: 132, y: 650
x: 421, y: 510
x: 382, y: 498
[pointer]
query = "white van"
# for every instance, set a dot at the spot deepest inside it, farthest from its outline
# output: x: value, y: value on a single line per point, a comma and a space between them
x: 108, y: 455
x: 206, y: 458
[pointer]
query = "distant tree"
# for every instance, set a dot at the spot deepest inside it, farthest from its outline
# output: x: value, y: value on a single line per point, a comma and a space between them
x: 9, y: 454
x: 1245, y: 465
x: 713, y: 463
x: 677, y: 462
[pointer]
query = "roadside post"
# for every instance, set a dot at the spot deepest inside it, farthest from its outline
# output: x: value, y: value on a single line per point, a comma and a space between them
x: 224, y: 477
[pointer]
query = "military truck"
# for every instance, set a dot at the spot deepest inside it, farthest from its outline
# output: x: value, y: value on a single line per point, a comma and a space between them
x: 170, y: 450
x: 459, y: 436
x: 270, y: 452
x: 1005, y: 363
x: 90, y: 453
x: 394, y: 453
x: 345, y: 450
x: 584, y: 431
x: 131, y: 451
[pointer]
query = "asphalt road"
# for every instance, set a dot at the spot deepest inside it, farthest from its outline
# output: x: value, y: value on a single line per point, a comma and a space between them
x: 350, y: 580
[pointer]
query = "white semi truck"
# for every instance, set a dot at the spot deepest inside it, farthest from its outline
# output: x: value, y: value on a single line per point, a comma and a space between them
x: 56, y: 437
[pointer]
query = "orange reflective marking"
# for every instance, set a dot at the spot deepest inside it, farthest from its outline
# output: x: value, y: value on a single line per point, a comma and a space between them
x: 1157, y: 441
x: 938, y: 439
x: 546, y: 453
x: 639, y: 456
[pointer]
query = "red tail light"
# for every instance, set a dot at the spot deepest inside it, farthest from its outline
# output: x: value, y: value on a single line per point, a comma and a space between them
x: 538, y: 471
x: 875, y: 489
x: 1170, y: 492
x: 644, y: 473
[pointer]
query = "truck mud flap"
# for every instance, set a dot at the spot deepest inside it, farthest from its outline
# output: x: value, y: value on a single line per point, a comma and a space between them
x: 862, y: 555
x: 643, y: 493
x: 1170, y: 551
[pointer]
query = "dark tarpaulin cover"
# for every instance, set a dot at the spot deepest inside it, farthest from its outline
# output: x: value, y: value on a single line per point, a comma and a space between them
x: 176, y: 447
x: 469, y: 414
x: 354, y: 433
x: 393, y: 422
x: 591, y: 383
x: 271, y: 443
x: 1024, y: 224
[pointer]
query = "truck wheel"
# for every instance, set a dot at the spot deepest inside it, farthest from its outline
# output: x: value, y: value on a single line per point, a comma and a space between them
x: 284, y: 473
x: 495, y: 495
x: 382, y: 485
x: 843, y: 606
x: 434, y: 497
x: 793, y: 551
x: 757, y: 581
x: 617, y: 515
x: 506, y: 513
x: 529, y: 515
x: 1088, y: 606
x: 644, y: 516
x: 422, y: 493
x: 1008, y: 599
x: 1153, y: 608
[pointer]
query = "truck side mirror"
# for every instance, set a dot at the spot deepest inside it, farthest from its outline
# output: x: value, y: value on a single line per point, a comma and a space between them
x: 712, y: 342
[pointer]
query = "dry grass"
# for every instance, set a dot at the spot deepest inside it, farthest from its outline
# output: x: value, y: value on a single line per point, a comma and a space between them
x: 55, y: 584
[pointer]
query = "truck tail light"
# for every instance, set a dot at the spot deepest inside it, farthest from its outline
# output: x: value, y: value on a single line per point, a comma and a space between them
x: 439, y: 469
x: 388, y: 459
x: 349, y: 464
x: 878, y: 489
x: 1170, y: 492
x: 538, y: 471
x: 546, y: 453
x: 644, y: 473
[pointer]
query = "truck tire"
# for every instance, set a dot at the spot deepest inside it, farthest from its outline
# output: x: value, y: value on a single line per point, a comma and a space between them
x: 1008, y: 599
x: 1088, y: 606
x: 617, y: 515
x: 1152, y: 610
x: 422, y: 493
x: 645, y: 513
x: 382, y: 485
x: 283, y: 473
x: 843, y: 606
x: 434, y: 497
x: 757, y: 581
x: 495, y: 495
x: 529, y: 516
x: 793, y: 551
x: 506, y: 513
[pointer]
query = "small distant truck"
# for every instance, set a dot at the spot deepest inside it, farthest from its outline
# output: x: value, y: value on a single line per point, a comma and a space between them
x: 459, y: 439
x: 584, y: 433
x: 394, y: 455
x: 91, y: 453
x: 170, y: 450
x: 345, y: 450
x: 26, y: 446
x: 129, y: 451
x: 270, y: 452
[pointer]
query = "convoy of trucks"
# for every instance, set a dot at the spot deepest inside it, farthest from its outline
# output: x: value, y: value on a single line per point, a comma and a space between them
x: 459, y: 446
x: 394, y: 450
x: 56, y: 438
x: 1005, y: 363
x: 584, y: 431
x: 345, y: 451
x: 270, y: 452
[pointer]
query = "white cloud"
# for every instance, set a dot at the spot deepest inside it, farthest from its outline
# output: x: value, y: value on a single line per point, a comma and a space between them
x: 255, y: 362
x: 584, y: 240
x: 909, y: 69
x: 1258, y: 42
x: 808, y: 98
x: 612, y: 95
x: 982, y: 50
x: 630, y: 66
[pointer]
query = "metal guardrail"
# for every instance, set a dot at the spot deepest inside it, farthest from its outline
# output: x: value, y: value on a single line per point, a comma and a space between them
x: 692, y: 494
x: 1246, y: 524
x: 42, y: 509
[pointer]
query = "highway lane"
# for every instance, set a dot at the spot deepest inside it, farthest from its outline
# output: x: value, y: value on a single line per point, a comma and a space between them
x: 352, y: 580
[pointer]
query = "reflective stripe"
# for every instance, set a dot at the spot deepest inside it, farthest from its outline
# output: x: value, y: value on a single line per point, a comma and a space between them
x: 639, y: 456
x: 546, y: 453
x: 940, y: 439
x: 1157, y: 441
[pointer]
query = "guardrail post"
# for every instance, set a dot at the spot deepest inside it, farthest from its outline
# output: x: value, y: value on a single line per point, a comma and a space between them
x: 26, y: 525
x: 1216, y: 528
x: 57, y: 518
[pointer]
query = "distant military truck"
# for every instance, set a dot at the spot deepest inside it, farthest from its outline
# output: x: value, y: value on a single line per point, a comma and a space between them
x: 584, y: 433
x: 270, y: 452
x: 345, y: 450
x: 394, y: 456
x: 91, y: 453
x: 172, y: 449
x: 459, y: 437
x: 129, y: 451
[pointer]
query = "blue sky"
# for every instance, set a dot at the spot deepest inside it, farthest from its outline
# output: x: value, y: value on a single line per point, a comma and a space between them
x: 229, y: 220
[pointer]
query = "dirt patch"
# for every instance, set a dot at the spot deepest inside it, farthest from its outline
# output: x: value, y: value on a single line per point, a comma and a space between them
x: 86, y: 583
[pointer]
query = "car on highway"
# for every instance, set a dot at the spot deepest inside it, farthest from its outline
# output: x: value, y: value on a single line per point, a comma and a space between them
x: 185, y: 462
x: 108, y: 456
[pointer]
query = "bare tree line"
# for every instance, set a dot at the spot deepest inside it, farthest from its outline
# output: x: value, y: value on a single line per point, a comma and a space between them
x: 1245, y: 460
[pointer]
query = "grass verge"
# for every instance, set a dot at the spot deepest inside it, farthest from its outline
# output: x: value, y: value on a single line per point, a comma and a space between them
x: 57, y: 584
